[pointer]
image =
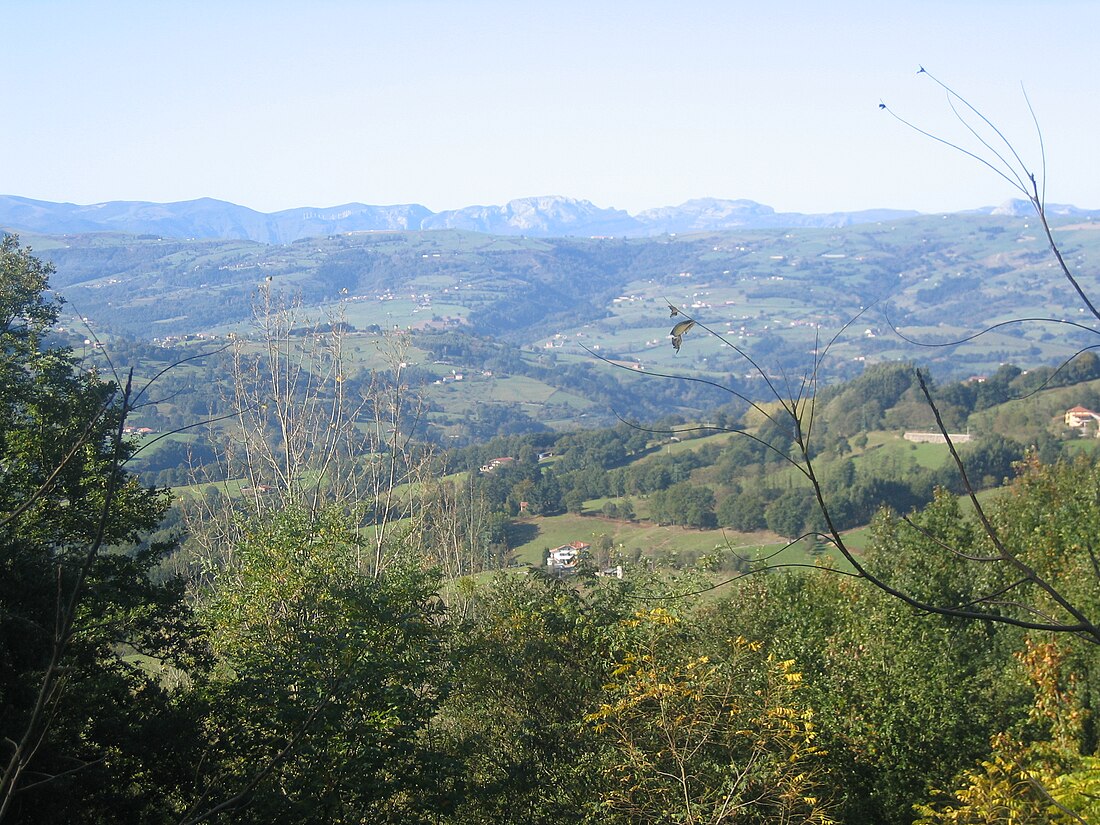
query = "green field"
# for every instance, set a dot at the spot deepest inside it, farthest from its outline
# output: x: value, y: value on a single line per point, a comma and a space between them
x: 890, y: 448
x: 642, y: 540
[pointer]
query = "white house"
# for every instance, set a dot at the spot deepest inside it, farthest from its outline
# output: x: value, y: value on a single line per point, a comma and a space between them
x: 564, y: 559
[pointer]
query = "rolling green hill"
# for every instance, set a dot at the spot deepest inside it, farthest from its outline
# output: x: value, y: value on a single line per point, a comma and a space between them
x: 779, y: 294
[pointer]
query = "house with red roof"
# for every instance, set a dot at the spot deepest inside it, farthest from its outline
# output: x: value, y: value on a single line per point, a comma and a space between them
x: 1080, y: 417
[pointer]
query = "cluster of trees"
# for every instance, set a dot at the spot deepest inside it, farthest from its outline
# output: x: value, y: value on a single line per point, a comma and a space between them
x: 987, y: 719
x: 744, y: 484
x: 684, y: 503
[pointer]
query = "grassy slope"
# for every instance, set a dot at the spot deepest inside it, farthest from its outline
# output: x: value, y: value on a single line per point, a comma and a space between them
x: 649, y: 540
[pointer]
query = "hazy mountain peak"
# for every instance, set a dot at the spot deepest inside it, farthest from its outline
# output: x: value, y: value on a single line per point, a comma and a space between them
x: 537, y: 216
x: 1014, y: 208
x: 702, y: 214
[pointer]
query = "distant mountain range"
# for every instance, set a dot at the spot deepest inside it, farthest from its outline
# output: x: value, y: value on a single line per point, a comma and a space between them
x: 549, y: 216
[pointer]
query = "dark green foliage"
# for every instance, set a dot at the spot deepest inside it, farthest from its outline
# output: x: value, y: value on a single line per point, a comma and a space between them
x: 743, y: 511
x: 901, y: 703
x: 619, y: 510
x: 341, y: 666
x: 788, y: 514
x: 661, y: 472
x: 988, y: 462
x: 860, y: 404
x: 490, y: 421
x: 776, y: 436
x: 83, y: 720
x: 531, y: 656
x: 685, y: 504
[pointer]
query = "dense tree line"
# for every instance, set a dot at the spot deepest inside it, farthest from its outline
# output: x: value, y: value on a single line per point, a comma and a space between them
x: 741, y: 484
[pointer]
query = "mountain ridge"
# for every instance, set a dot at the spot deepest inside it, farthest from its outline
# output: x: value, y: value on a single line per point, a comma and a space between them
x: 541, y: 217
x: 544, y: 216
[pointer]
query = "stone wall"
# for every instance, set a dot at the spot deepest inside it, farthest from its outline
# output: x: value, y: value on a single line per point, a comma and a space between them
x: 937, y: 438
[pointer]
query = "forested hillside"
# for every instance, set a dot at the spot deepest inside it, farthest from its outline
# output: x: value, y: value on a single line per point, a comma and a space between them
x: 330, y: 618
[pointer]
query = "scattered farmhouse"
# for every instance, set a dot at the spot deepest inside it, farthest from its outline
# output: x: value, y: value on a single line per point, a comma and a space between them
x: 495, y: 463
x: 563, y: 560
x: 1081, y: 417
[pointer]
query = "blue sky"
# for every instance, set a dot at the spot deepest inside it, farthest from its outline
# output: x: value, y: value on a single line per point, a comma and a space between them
x: 628, y: 104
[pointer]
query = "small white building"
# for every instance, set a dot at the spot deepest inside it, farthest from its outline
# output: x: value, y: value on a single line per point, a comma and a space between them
x: 563, y: 560
x: 497, y: 463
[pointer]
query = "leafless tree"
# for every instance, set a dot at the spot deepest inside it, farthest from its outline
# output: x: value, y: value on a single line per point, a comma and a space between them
x: 310, y: 429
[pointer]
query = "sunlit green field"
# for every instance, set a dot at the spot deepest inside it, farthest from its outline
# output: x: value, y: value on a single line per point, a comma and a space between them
x: 634, y: 541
